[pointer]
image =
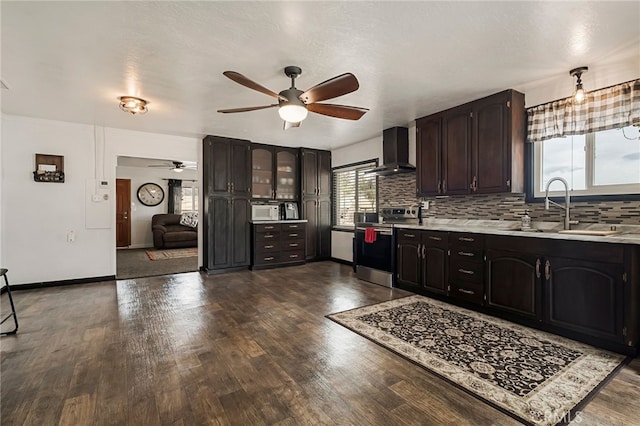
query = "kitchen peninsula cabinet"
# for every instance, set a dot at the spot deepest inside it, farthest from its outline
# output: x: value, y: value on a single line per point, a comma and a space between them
x: 274, y: 173
x: 226, y: 206
x: 477, y: 147
x: 316, y: 201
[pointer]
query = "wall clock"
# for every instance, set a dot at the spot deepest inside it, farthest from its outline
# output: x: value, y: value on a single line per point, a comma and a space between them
x: 150, y: 194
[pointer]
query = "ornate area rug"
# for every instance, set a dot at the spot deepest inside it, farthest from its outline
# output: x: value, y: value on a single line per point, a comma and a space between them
x: 172, y: 253
x: 536, y: 377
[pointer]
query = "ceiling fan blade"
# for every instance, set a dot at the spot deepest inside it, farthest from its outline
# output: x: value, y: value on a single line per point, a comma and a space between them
x: 338, y: 111
x: 241, y: 79
x: 289, y: 124
x: 332, y: 88
x: 227, y: 111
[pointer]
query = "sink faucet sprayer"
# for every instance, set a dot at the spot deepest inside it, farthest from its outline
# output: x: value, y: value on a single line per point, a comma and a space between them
x: 567, y: 201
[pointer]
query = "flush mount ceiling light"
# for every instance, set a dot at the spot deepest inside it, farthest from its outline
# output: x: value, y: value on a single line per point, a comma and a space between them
x: 133, y: 105
x: 578, y: 95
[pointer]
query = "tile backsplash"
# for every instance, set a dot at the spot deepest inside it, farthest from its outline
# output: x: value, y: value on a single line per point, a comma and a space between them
x: 401, y: 190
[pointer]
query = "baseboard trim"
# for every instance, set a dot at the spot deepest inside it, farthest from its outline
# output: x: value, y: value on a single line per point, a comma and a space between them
x: 31, y: 286
x: 344, y: 262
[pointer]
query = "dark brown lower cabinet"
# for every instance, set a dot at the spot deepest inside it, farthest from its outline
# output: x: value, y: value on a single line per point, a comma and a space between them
x: 317, y: 212
x: 278, y: 244
x: 513, y: 283
x: 422, y: 260
x: 585, y: 297
x: 228, y: 233
x: 466, y: 262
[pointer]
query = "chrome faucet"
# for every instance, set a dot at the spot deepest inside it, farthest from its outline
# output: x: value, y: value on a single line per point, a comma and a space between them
x: 567, y: 201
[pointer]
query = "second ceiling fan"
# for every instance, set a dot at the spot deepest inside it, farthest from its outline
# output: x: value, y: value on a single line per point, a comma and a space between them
x: 294, y: 104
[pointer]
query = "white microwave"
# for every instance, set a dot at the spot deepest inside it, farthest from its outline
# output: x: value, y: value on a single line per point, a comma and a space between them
x: 265, y: 212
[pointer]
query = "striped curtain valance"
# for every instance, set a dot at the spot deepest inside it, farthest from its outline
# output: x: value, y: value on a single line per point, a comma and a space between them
x: 609, y: 108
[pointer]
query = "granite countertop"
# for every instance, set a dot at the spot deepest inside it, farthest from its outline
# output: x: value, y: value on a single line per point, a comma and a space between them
x: 262, y: 222
x: 628, y: 234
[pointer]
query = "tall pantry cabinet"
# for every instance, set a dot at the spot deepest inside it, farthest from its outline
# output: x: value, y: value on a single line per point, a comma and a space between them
x: 315, y: 172
x: 226, y: 203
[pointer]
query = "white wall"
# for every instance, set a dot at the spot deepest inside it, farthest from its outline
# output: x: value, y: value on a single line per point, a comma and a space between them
x: 36, y: 217
x: 141, y: 235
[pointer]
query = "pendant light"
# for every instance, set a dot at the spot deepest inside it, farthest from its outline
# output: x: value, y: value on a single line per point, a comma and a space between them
x: 579, y: 94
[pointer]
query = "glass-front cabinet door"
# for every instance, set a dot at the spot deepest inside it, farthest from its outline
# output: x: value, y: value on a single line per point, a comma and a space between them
x: 262, y: 173
x: 286, y: 175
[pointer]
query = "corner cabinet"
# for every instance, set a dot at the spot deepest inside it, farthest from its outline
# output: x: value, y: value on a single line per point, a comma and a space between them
x: 477, y: 147
x: 315, y: 172
x: 226, y: 206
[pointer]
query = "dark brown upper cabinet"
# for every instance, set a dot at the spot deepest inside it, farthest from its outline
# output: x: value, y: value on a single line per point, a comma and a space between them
x: 477, y: 147
x: 274, y: 173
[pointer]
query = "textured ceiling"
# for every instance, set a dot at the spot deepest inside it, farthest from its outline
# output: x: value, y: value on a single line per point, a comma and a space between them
x: 70, y: 61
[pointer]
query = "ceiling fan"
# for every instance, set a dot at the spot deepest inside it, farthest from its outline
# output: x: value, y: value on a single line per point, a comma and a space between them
x: 294, y: 104
x: 177, y: 166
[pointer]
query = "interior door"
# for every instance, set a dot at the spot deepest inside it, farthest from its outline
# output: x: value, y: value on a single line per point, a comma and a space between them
x: 123, y: 212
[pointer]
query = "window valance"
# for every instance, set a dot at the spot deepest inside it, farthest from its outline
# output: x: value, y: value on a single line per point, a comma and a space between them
x: 609, y: 108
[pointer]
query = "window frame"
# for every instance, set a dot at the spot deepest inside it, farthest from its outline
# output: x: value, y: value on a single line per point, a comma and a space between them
x: 195, y: 199
x: 353, y: 166
x: 533, y: 170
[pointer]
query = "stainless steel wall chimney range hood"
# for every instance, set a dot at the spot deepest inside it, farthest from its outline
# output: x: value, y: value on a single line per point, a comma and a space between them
x: 395, y: 152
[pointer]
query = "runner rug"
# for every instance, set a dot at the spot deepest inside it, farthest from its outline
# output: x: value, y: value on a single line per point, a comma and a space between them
x: 536, y: 377
x: 172, y: 253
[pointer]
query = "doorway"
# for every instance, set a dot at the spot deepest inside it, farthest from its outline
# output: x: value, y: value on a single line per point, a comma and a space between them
x: 137, y: 254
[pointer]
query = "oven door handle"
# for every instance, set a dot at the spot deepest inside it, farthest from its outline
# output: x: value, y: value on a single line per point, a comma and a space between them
x: 381, y: 231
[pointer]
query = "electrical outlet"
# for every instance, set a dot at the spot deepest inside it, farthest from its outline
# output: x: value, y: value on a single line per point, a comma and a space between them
x: 425, y: 205
x: 71, y: 236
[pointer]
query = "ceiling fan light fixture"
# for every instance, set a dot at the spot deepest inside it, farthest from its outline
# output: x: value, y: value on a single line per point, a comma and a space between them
x: 133, y: 105
x: 177, y: 169
x: 579, y: 93
x: 293, y: 113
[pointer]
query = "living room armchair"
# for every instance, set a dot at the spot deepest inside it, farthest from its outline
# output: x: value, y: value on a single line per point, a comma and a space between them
x: 169, y: 233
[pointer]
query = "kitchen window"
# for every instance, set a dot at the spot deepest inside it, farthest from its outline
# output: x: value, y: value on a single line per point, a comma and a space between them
x: 354, y: 191
x: 600, y: 163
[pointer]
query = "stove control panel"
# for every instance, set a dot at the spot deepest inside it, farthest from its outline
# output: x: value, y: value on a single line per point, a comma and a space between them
x: 406, y: 212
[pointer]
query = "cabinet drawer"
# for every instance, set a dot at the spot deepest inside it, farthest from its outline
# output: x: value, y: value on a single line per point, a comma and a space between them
x: 466, y: 271
x: 267, y: 236
x: 292, y: 256
x: 409, y: 235
x: 467, y: 291
x: 435, y: 239
x: 270, y: 227
x: 264, y: 247
x: 463, y: 254
x: 292, y: 244
x: 293, y: 227
x: 457, y: 239
x: 293, y: 235
x: 265, y: 259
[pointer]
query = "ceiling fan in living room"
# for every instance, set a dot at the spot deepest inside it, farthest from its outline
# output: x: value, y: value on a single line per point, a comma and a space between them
x: 294, y: 104
x: 176, y: 166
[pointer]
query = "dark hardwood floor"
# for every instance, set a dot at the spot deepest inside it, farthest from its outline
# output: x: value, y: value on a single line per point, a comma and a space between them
x: 243, y: 348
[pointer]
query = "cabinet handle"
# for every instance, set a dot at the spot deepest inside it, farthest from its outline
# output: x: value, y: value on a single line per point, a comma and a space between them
x: 538, y: 268
x: 424, y: 251
x: 444, y: 186
x: 268, y: 236
x: 462, y: 290
x: 231, y: 186
x: 409, y: 235
x: 547, y: 270
x: 466, y: 271
x: 293, y: 235
x: 228, y: 187
x: 268, y: 247
x: 466, y: 253
x: 466, y: 239
x: 293, y: 244
x: 293, y: 226
x: 268, y: 227
x: 269, y: 258
x: 474, y: 184
x: 418, y: 251
x: 439, y: 187
x: 435, y: 238
x: 293, y: 256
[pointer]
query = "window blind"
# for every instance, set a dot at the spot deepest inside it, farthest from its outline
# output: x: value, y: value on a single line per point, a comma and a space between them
x: 354, y: 191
